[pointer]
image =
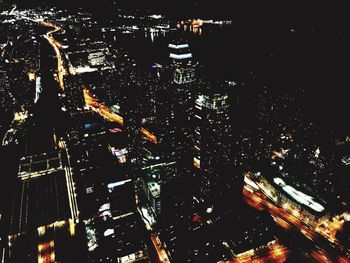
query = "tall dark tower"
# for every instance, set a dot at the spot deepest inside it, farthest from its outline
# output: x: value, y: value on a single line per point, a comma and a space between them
x: 177, y: 192
x: 132, y: 115
x: 183, y: 87
x: 213, y: 137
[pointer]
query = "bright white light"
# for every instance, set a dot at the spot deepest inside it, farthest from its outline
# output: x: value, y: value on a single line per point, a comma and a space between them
x: 113, y: 185
x: 106, y: 214
x: 250, y: 183
x: 299, y: 196
x: 209, y: 210
x: 108, y: 232
x: 279, y: 181
x: 104, y: 207
x: 178, y: 46
x: 182, y: 56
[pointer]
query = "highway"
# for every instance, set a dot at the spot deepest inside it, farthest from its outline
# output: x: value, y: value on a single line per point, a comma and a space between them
x: 274, y: 252
x: 56, y: 46
x: 90, y: 101
x: 162, y: 255
x: 72, y: 197
x: 60, y: 74
x: 294, y: 220
x: 109, y: 115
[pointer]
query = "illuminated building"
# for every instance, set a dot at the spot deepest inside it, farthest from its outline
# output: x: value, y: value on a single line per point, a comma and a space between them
x: 153, y: 195
x: 42, y: 228
x: 6, y: 97
x: 122, y: 197
x: 176, y: 112
x: 287, y: 196
x: 213, y: 138
x: 182, y: 59
x: 183, y: 92
x: 180, y: 52
x: 45, y: 171
x: 117, y: 231
x: 96, y: 58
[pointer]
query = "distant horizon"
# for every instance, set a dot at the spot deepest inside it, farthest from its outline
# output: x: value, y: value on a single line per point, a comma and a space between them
x: 262, y: 12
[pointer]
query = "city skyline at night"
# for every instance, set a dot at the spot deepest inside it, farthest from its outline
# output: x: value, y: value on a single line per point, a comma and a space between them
x: 173, y: 132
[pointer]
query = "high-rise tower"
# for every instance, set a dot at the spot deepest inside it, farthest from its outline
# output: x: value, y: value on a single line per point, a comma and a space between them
x: 177, y: 192
x: 213, y: 137
x: 184, y: 89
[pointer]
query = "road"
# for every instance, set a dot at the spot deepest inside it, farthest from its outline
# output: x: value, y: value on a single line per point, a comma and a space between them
x: 323, y: 247
x: 56, y: 46
x: 162, y: 255
x: 273, y: 252
x: 109, y: 115
x: 90, y: 101
x: 72, y: 197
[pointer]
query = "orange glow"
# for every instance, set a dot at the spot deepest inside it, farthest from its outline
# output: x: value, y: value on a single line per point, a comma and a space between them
x: 197, y: 23
x: 162, y: 255
x: 56, y: 46
x: 282, y: 217
x: 276, y: 154
x: 197, y: 163
x: 282, y: 223
x: 274, y: 252
x: 122, y: 159
x: 31, y: 76
x: 329, y: 227
x: 90, y: 101
x: 320, y: 256
x: 342, y: 260
x: 71, y: 227
x: 149, y: 135
x: 109, y: 115
x: 46, y: 252
x: 288, y: 216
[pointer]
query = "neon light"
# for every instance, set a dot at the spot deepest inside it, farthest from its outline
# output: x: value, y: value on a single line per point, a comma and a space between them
x: 178, y: 46
x: 182, y: 56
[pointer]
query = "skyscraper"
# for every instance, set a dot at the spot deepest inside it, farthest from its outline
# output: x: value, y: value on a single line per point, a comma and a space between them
x: 213, y: 136
x: 132, y: 110
x: 177, y: 193
x: 183, y: 88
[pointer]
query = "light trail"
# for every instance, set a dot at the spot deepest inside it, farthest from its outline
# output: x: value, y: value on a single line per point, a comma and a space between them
x: 73, y: 204
x: 56, y: 46
x: 288, y: 219
x: 109, y: 115
x: 273, y: 252
x: 162, y: 255
x: 90, y: 101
